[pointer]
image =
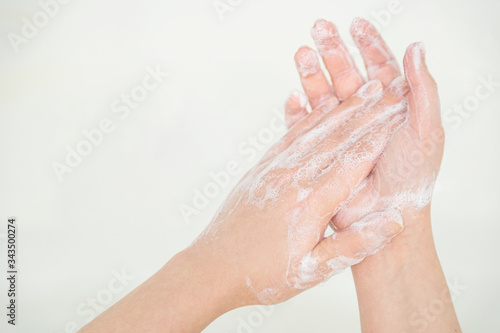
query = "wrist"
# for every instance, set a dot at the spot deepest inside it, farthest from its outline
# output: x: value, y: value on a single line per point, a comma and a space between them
x: 406, y: 273
x: 413, y: 244
x: 185, y: 295
x: 201, y: 286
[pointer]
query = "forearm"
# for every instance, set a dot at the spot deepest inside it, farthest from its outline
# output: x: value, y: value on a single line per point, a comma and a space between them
x: 403, y: 288
x: 185, y: 295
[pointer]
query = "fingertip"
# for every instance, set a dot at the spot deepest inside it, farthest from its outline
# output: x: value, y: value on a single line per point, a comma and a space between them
x: 423, y: 97
x: 319, y: 21
x: 298, y: 98
x: 306, y: 61
x: 414, y: 63
x: 324, y: 33
x: 357, y: 21
x: 301, y: 53
x: 359, y: 27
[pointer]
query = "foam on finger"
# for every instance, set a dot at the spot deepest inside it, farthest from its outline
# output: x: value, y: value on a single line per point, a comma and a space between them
x: 344, y: 74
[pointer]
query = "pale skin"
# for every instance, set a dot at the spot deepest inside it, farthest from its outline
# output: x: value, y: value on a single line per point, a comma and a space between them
x: 402, y: 288
x: 266, y: 244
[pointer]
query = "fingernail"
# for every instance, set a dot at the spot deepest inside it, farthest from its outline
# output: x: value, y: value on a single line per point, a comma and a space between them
x: 324, y: 35
x: 399, y: 86
x: 421, y: 47
x: 328, y: 105
x: 359, y: 29
x: 374, y: 87
x: 334, y: 102
x: 300, y: 97
x: 320, y: 29
x: 418, y: 54
x: 357, y: 26
x: 391, y: 229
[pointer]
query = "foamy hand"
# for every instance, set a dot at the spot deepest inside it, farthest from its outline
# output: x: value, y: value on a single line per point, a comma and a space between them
x: 402, y: 182
x: 269, y: 234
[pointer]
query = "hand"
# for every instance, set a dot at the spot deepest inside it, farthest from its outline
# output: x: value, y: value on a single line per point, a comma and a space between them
x: 266, y: 243
x: 269, y: 232
x: 405, y: 278
x: 403, y: 180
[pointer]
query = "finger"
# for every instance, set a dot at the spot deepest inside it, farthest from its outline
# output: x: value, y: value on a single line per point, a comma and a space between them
x: 381, y: 107
x: 345, y: 76
x: 423, y: 98
x: 350, y: 246
x: 322, y: 121
x: 313, y: 118
x: 313, y: 79
x: 302, y: 126
x: 379, y: 61
x: 363, y: 121
x: 295, y: 108
x: 301, y: 139
x: 365, y: 199
x: 367, y: 93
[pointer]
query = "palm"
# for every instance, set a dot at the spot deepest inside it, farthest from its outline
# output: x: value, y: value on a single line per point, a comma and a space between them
x: 402, y: 179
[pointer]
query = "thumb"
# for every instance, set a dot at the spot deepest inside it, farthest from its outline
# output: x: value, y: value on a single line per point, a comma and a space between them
x: 423, y: 99
x: 363, y: 238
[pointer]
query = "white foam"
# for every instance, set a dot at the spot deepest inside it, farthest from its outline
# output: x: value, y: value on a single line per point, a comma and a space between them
x: 308, y: 272
x: 307, y: 63
x: 340, y: 263
x: 300, y: 97
x: 303, y: 193
x: 325, y: 36
x: 417, y: 49
x: 297, y: 166
x: 357, y: 27
x: 399, y: 86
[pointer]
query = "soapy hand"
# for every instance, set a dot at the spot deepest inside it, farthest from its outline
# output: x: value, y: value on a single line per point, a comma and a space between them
x: 363, y: 160
x: 406, y: 275
x: 403, y: 179
x: 269, y: 234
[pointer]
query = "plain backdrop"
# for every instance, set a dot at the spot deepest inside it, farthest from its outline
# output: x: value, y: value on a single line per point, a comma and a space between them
x: 229, y: 73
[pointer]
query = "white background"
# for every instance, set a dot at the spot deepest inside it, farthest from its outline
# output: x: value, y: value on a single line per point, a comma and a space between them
x: 119, y: 209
